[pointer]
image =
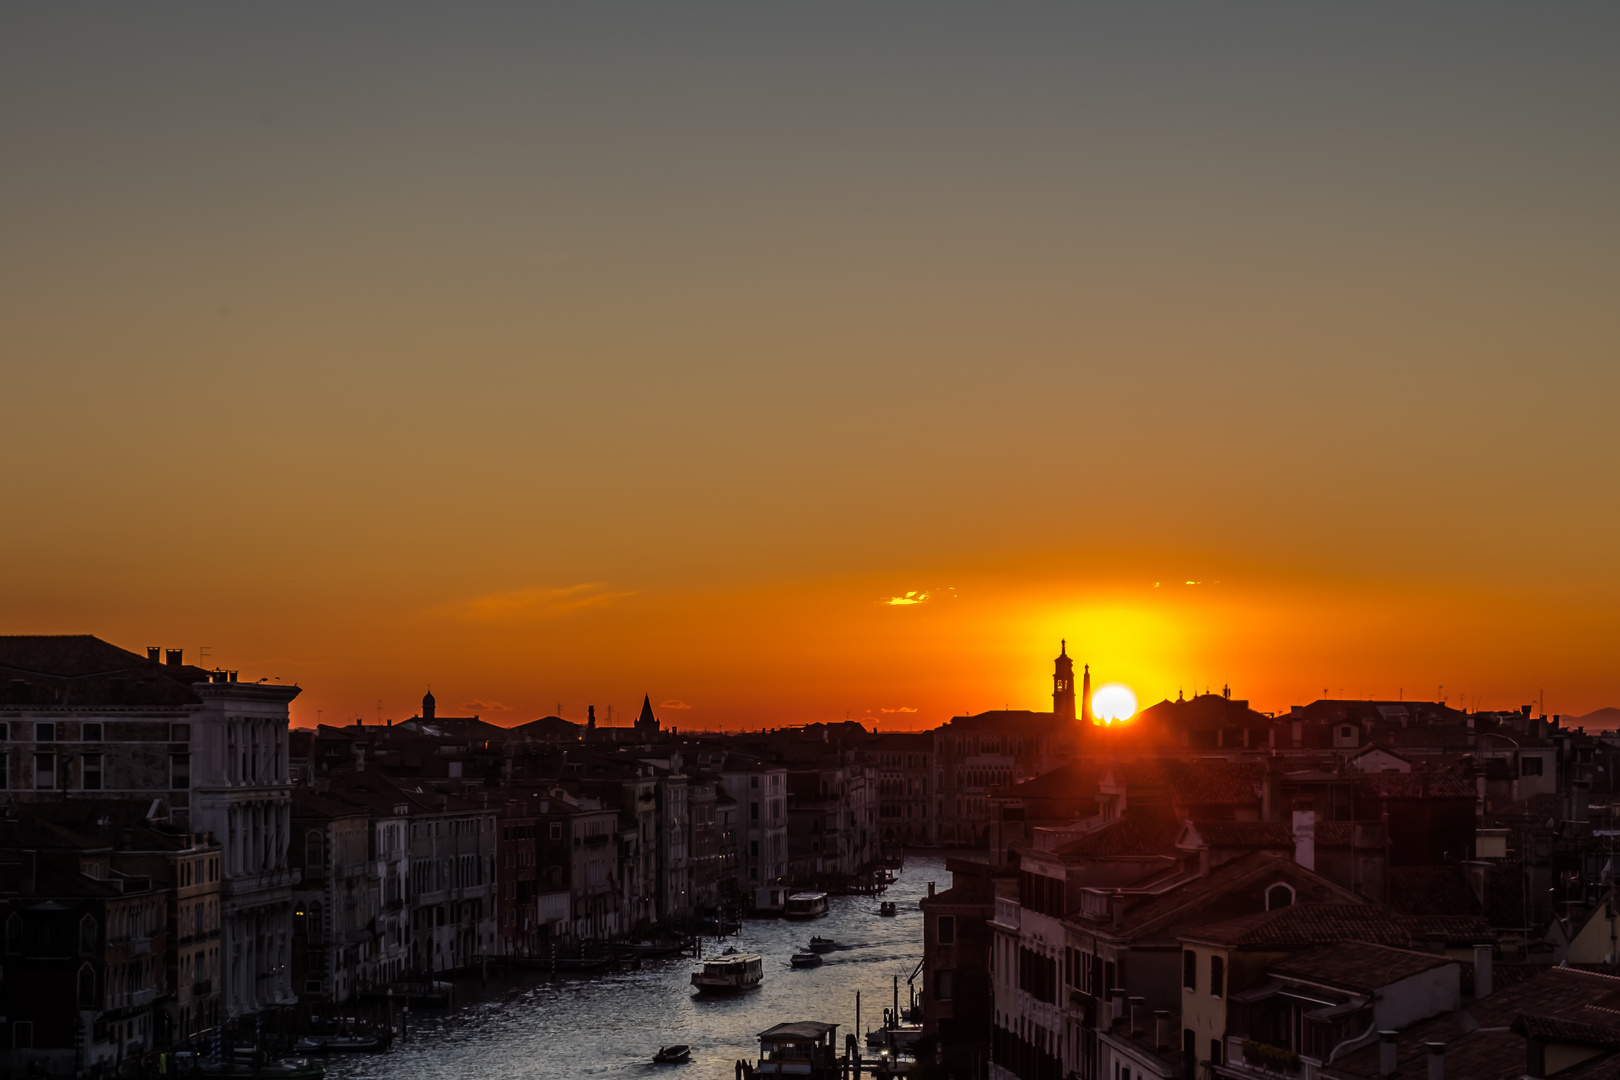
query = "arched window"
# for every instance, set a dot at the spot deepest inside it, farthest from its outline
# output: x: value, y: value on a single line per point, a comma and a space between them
x: 1279, y: 895
x: 312, y: 848
x: 14, y: 933
x: 87, y: 935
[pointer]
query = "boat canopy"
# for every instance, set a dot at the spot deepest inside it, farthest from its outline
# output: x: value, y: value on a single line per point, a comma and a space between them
x: 802, y: 1031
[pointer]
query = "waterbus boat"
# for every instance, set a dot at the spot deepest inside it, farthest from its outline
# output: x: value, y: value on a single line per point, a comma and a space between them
x: 806, y: 905
x: 822, y: 944
x: 731, y: 973
x: 807, y: 1050
x: 806, y: 959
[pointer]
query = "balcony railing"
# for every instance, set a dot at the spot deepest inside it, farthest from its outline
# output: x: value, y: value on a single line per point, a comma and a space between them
x: 1009, y: 913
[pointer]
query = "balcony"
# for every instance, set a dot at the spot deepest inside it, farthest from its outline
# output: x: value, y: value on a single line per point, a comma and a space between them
x: 1261, y: 1060
x: 1009, y: 914
x: 202, y: 988
x: 140, y: 946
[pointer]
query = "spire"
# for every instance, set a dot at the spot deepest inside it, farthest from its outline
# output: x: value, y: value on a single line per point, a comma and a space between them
x: 1063, y: 646
x: 427, y: 705
x: 646, y: 721
x: 1085, y: 698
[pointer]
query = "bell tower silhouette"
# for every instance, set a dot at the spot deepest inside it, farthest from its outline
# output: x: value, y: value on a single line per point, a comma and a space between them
x: 1063, y: 684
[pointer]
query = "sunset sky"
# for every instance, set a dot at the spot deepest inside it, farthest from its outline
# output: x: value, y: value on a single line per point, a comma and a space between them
x: 553, y: 355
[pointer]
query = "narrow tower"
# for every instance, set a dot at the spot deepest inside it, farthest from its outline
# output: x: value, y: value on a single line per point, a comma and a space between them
x: 427, y: 705
x: 1063, y: 684
x: 646, y: 722
x: 1085, y: 698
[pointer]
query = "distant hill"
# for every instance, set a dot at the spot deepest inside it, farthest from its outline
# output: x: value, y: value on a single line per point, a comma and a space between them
x: 1603, y: 719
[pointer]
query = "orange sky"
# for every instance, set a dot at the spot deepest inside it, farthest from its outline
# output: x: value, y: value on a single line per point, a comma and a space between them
x: 558, y: 357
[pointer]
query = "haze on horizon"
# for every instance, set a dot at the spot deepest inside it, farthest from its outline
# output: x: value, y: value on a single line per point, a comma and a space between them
x: 559, y: 355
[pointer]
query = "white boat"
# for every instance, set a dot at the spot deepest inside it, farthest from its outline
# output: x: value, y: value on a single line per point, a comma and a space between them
x: 806, y: 905
x: 804, y: 1051
x: 730, y: 974
x: 806, y: 959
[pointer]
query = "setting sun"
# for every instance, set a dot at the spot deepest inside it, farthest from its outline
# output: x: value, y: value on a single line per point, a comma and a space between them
x: 1113, y: 702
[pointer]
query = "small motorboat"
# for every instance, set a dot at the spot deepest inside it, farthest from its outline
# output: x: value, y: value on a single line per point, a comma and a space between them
x: 822, y: 944
x: 679, y: 1054
x: 887, y: 909
x: 806, y: 959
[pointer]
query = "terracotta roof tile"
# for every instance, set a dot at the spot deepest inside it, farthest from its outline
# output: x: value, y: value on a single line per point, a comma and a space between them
x: 1415, y: 785
x: 1245, y: 833
x: 1358, y: 966
x: 1215, y: 783
x: 1141, y: 830
x: 1301, y: 925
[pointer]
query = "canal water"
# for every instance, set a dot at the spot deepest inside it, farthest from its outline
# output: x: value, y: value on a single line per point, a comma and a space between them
x: 524, y: 1028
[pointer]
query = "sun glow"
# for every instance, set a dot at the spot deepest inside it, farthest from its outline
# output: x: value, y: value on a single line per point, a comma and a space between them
x: 1113, y: 703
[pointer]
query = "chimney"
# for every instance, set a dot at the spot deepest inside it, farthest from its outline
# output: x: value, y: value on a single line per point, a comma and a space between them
x: 1386, y: 1052
x: 930, y: 888
x: 174, y: 656
x: 1119, y: 1007
x: 1305, y: 838
x: 1138, y: 1007
x: 1535, y: 1059
x: 1482, y: 971
x: 1437, y: 1060
x: 590, y: 717
x: 1580, y: 800
x: 154, y: 653
x: 1161, y: 1029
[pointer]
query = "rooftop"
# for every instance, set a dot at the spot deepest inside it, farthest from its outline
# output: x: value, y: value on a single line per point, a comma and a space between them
x: 801, y: 1031
x: 1301, y: 925
x: 1357, y: 966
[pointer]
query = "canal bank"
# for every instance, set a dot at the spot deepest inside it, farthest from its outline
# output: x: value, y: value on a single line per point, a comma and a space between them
x: 525, y: 1028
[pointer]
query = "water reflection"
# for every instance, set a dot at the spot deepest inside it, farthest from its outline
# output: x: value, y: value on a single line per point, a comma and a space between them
x: 610, y: 1025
